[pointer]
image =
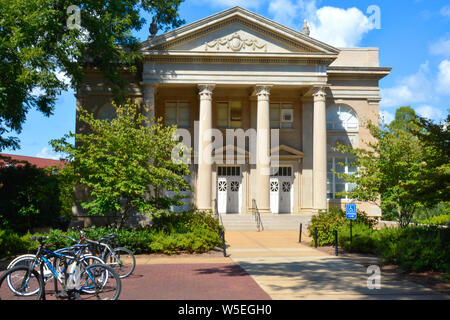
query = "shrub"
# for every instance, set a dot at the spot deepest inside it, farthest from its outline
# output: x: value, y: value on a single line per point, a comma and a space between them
x: 172, y: 233
x: 328, y: 222
x: 362, y: 238
x: 424, y: 248
x: 437, y: 220
x: 412, y: 248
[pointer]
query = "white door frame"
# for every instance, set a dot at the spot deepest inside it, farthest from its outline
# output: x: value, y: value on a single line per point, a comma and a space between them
x: 276, y: 187
x: 224, y: 189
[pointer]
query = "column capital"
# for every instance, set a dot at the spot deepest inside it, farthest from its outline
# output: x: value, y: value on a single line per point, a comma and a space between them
x: 262, y: 91
x: 319, y: 93
x: 205, y: 90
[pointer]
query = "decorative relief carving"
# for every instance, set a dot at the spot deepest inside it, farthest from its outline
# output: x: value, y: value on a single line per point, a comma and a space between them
x: 236, y: 43
x: 263, y: 92
x: 205, y: 91
x: 319, y: 93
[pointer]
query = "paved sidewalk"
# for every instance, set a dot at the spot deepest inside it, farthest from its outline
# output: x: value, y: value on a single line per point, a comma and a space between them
x: 288, y: 270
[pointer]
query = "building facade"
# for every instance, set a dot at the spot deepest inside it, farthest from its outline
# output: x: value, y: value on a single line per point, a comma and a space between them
x: 261, y: 104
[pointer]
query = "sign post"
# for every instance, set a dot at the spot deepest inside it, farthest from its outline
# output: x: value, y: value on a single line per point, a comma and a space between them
x: 350, y: 211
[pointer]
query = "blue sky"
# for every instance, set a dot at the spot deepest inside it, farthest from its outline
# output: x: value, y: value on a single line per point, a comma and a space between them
x: 413, y: 37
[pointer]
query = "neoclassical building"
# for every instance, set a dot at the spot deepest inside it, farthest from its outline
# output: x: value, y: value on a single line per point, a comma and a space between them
x: 241, y: 73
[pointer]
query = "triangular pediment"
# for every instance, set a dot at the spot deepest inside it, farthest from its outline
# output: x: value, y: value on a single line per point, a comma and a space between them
x: 286, y: 151
x: 237, y: 30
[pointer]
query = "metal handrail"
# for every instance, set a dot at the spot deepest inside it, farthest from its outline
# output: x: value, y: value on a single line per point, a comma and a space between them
x: 258, y: 220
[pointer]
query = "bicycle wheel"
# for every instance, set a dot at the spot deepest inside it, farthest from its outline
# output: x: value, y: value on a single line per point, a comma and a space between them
x: 122, y: 260
x: 14, y: 262
x: 23, y: 281
x: 26, y: 260
x: 89, y: 260
x: 100, y: 281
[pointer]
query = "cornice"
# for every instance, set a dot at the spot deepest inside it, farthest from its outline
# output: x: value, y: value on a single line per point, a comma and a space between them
x: 240, y: 58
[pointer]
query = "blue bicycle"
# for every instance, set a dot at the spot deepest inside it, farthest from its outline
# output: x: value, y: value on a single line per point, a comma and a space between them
x: 80, y: 276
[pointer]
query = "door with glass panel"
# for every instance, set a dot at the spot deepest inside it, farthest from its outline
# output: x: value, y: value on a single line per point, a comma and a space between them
x: 229, y: 189
x: 281, y: 190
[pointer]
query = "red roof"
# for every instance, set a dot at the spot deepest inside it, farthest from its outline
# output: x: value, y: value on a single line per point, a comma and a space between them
x: 38, y: 162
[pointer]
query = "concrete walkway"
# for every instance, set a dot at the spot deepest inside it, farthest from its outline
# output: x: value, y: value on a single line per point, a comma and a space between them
x: 287, y: 270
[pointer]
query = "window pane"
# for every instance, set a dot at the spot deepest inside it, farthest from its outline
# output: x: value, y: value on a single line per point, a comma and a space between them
x: 235, y: 114
x: 171, y: 114
x: 329, y: 190
x: 222, y: 115
x: 287, y: 115
x: 352, y: 169
x: 340, y: 187
x: 274, y: 111
x: 351, y: 186
x: 337, y: 165
x: 183, y: 115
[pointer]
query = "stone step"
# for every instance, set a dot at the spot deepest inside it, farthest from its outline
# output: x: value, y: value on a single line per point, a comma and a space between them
x: 269, y: 222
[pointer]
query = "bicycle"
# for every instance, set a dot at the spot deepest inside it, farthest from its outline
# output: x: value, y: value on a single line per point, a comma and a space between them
x: 121, y: 258
x: 27, y: 259
x: 77, y: 280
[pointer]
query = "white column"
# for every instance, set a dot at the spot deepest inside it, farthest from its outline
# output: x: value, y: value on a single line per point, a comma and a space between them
x: 149, y: 100
x: 204, y: 177
x: 263, y: 149
x: 320, y: 149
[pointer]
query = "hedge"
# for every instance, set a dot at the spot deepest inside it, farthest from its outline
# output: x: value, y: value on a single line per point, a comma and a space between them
x: 171, y: 233
x: 412, y: 248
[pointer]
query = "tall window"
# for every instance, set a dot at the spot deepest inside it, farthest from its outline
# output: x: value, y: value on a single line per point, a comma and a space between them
x: 178, y: 113
x: 281, y: 116
x: 341, y: 117
x: 229, y: 114
x: 334, y: 183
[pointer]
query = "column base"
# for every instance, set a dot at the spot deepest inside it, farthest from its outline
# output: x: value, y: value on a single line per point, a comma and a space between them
x: 263, y: 211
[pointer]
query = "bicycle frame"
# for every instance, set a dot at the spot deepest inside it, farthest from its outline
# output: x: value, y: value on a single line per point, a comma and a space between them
x: 41, y: 259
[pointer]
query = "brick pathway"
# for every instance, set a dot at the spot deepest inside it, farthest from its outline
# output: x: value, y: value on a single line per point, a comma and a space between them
x: 192, y: 281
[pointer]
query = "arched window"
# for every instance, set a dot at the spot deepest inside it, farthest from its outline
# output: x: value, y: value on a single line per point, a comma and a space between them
x: 106, y: 112
x: 341, y: 117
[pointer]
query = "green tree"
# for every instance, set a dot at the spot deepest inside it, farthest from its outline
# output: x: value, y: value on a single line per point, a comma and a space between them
x: 29, y: 197
x: 41, y: 43
x: 435, y: 186
x: 390, y: 170
x: 125, y: 163
x: 405, y: 119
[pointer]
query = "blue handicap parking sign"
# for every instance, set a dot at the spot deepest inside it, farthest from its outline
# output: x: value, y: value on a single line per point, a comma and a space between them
x: 350, y: 210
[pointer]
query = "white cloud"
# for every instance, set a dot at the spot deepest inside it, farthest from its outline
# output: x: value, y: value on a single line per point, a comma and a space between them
x: 386, y: 117
x: 416, y: 88
x: 292, y: 13
x: 62, y: 77
x: 429, y: 112
x: 441, y: 47
x: 340, y: 27
x: 335, y: 26
x: 45, y: 153
x: 443, y: 78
